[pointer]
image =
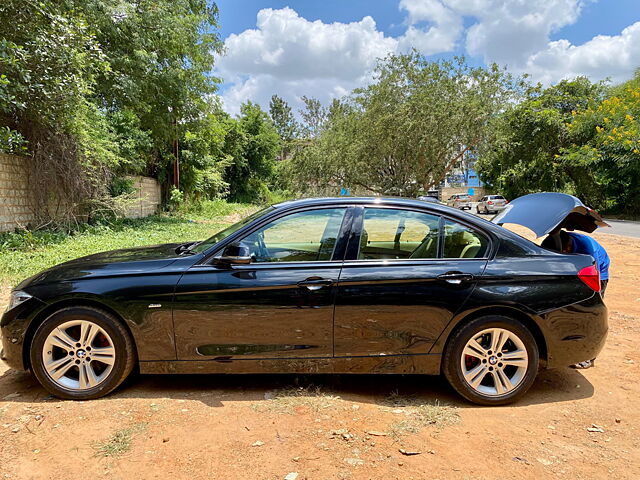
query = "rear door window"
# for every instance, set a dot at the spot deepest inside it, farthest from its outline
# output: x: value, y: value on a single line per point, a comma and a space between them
x: 397, y: 234
x: 461, y: 241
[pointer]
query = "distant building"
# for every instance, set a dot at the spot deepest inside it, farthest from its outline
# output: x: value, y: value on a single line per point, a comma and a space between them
x: 463, y: 178
x: 463, y: 173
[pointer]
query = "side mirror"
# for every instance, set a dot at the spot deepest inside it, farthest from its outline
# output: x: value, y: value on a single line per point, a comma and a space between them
x: 235, y: 254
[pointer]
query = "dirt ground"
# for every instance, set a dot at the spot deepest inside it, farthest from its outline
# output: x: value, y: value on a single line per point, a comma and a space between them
x: 572, y: 424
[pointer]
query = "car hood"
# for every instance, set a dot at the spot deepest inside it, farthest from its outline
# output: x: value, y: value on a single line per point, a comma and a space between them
x: 115, y: 262
x: 544, y: 212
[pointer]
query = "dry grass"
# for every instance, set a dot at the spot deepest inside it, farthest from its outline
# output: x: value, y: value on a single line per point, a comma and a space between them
x: 418, y: 414
x: 119, y: 443
x: 286, y: 400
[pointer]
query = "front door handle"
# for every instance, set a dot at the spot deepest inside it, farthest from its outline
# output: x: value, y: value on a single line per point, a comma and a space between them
x: 455, y: 278
x: 315, y: 283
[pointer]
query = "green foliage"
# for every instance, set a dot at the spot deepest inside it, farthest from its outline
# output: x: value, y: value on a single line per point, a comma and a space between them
x: 577, y: 137
x: 314, y: 117
x: 26, y: 253
x: 252, y: 144
x: 285, y: 124
x: 404, y: 132
x: 96, y: 87
x: 121, y: 186
x: 176, y: 198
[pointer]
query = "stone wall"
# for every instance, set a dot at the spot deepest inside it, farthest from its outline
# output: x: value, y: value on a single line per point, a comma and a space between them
x: 15, y: 201
x: 15, y: 209
x: 148, y: 197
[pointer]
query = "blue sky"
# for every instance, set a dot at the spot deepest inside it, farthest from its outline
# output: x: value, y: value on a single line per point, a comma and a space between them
x: 326, y: 48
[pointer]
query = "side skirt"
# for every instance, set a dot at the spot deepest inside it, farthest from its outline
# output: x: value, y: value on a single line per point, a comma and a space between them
x: 403, y: 364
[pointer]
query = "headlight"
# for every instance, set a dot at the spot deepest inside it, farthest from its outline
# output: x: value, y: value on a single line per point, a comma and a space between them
x: 18, y: 297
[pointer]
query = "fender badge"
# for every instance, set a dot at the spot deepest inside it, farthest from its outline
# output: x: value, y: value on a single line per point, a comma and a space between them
x: 155, y: 305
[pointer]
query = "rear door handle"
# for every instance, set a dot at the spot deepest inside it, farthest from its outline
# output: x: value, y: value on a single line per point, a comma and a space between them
x: 455, y: 278
x: 315, y: 283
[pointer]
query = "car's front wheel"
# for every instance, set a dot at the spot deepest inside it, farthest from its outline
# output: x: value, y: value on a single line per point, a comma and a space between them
x: 81, y: 353
x: 492, y: 360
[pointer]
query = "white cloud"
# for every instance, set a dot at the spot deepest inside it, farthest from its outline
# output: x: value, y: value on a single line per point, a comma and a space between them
x: 507, y: 32
x: 291, y: 56
x: 445, y: 26
x: 603, y: 56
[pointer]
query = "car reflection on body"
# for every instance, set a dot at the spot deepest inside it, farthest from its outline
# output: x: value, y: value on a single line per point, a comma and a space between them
x: 331, y: 285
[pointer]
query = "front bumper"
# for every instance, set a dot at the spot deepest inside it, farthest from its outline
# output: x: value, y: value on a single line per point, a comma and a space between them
x: 576, y: 333
x: 13, y: 330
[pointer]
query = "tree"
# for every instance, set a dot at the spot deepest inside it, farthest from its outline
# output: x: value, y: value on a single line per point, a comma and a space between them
x: 92, y: 89
x: 405, y: 131
x: 530, y: 136
x: 284, y: 122
x: 314, y: 116
x: 605, y: 146
x: 252, y: 144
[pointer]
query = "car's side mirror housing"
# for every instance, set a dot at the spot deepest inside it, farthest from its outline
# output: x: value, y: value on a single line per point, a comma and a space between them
x: 234, y: 254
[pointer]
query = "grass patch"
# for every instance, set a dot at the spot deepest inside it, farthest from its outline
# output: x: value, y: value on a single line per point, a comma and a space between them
x: 286, y: 400
x: 119, y: 443
x: 418, y: 414
x: 26, y: 253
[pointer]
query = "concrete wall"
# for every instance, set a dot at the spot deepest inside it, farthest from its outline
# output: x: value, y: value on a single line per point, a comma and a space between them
x: 148, y: 198
x: 15, y: 207
x: 15, y: 200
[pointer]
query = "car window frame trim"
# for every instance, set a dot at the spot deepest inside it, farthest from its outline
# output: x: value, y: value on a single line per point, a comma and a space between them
x: 342, y: 241
x: 358, y: 223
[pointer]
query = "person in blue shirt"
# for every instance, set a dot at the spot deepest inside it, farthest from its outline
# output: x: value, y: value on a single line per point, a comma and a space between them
x: 571, y: 242
x: 576, y: 243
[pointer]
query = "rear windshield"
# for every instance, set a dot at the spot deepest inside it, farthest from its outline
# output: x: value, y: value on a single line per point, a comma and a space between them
x: 463, y: 197
x: 497, y: 197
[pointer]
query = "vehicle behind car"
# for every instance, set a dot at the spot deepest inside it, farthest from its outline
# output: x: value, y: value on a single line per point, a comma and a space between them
x: 429, y: 198
x: 491, y: 204
x: 460, y: 200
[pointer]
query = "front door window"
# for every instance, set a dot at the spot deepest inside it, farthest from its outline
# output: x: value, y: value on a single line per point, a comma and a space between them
x: 308, y: 236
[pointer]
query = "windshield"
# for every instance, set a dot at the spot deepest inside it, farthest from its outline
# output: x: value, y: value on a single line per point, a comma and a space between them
x: 222, y: 234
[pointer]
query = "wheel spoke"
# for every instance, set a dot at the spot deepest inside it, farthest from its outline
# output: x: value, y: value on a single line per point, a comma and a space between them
x: 106, y: 355
x: 475, y: 376
x: 88, y: 332
x: 503, y: 380
x: 498, y: 339
x: 60, y: 338
x: 517, y: 358
x: 497, y: 382
x: 58, y: 368
x: 474, y: 349
x: 87, y: 378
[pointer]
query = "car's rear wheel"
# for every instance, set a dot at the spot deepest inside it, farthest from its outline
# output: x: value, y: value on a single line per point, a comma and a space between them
x: 81, y: 353
x: 492, y: 360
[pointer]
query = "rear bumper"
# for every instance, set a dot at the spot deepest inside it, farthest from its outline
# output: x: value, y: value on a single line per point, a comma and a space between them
x: 576, y: 333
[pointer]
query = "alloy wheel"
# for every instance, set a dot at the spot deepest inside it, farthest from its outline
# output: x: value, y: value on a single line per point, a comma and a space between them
x: 494, y: 362
x: 78, y: 355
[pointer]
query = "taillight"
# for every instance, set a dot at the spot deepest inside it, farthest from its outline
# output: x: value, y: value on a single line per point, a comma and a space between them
x: 490, y: 202
x: 591, y: 277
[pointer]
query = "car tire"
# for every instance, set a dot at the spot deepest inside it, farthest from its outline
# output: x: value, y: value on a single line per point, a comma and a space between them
x: 482, y: 377
x: 76, y: 368
x: 477, y: 210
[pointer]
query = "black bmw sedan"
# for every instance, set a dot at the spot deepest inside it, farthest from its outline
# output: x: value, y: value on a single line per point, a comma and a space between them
x: 333, y: 285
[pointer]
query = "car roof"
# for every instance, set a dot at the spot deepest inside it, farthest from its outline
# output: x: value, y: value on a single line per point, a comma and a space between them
x: 397, y: 201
